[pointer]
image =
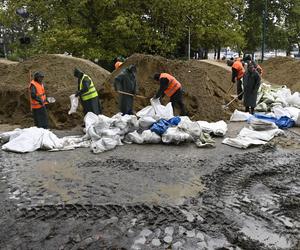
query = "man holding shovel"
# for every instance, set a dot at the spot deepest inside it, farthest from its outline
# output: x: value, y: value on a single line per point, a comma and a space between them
x: 126, y: 85
x: 38, y: 101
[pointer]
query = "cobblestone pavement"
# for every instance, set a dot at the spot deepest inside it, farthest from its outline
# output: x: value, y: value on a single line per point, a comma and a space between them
x: 152, y: 197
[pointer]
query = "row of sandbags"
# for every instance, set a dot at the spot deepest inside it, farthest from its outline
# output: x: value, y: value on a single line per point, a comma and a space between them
x: 104, y: 133
x: 270, y: 97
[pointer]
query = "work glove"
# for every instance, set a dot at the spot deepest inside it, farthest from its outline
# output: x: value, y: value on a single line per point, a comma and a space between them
x: 77, y: 93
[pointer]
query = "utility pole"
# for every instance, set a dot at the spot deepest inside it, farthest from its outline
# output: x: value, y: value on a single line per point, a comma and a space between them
x: 189, y: 44
x: 264, y: 17
x: 189, y: 36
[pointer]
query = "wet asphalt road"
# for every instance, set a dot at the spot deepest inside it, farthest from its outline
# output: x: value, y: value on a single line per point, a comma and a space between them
x: 153, y: 197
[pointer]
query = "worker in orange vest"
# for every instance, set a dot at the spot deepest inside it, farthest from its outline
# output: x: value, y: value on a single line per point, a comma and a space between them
x: 238, y: 72
x: 38, y: 101
x: 172, y: 88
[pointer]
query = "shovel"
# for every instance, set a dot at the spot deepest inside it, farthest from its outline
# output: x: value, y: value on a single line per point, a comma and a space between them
x: 125, y: 93
x: 226, y: 105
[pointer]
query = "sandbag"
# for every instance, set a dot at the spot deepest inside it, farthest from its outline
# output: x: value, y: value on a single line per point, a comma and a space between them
x: 239, y: 116
x: 74, y: 104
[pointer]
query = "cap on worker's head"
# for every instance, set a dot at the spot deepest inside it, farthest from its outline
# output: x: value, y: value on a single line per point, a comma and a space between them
x: 38, y: 74
x: 156, y: 76
x: 78, y: 73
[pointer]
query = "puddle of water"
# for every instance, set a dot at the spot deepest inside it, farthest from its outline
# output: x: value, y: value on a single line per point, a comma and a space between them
x: 54, y: 174
x: 175, y: 193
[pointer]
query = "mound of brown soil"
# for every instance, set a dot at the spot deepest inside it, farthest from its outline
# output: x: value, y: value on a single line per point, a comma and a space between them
x: 283, y: 71
x: 59, y: 81
x: 205, y: 85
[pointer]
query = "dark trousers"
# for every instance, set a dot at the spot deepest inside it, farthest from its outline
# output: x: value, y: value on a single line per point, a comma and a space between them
x: 177, y: 101
x: 239, y: 89
x: 250, y: 110
x: 92, y: 105
x: 40, y: 117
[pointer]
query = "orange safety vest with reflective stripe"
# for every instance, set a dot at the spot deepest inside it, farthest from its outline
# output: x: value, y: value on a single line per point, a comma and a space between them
x: 118, y: 64
x: 239, y: 68
x: 40, y: 92
x: 173, y: 85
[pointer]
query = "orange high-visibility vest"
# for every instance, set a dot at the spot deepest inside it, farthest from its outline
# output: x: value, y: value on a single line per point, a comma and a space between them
x: 40, y: 92
x: 173, y: 86
x: 118, y: 64
x: 240, y: 69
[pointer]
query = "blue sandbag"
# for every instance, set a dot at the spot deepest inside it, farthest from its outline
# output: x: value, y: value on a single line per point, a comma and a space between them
x: 283, y: 122
x: 162, y: 125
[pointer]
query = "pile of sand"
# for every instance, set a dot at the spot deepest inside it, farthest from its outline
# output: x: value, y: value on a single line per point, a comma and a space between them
x: 205, y: 85
x: 283, y: 71
x: 59, y: 82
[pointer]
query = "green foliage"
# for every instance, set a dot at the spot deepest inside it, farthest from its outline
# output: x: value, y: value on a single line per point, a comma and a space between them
x: 107, y: 28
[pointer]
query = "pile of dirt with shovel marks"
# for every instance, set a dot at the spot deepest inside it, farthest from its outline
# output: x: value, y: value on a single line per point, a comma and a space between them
x: 59, y: 82
x: 283, y: 71
x: 205, y: 85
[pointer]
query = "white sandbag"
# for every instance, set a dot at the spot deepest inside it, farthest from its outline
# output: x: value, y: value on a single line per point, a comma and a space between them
x: 176, y: 136
x: 218, y: 128
x: 260, y: 125
x: 90, y: 119
x: 147, y: 112
x: 135, y: 137
x: 294, y: 112
x: 51, y: 141
x: 165, y: 112
x: 262, y: 107
x: 294, y: 100
x: 192, y: 128
x: 31, y: 139
x: 260, y: 135
x: 74, y: 104
x: 280, y: 111
x: 239, y: 116
x: 242, y: 142
x: 104, y: 144
x: 146, y: 122
x: 150, y: 137
x: 6, y: 136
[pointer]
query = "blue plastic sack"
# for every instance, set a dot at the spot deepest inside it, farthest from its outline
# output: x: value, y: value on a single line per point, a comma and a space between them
x: 162, y: 125
x: 283, y: 122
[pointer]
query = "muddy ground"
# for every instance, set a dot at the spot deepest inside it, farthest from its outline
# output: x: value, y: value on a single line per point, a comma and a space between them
x: 153, y: 197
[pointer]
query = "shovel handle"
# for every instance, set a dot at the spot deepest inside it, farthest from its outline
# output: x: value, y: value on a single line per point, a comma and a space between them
x: 125, y: 93
x: 234, y: 99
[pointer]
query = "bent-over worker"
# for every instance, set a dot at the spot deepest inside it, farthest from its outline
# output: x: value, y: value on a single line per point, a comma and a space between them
x: 87, y: 93
x: 172, y: 88
x: 38, y: 101
x: 126, y: 82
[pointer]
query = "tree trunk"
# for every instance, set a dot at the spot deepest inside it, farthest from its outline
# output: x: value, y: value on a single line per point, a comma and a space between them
x: 219, y: 53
